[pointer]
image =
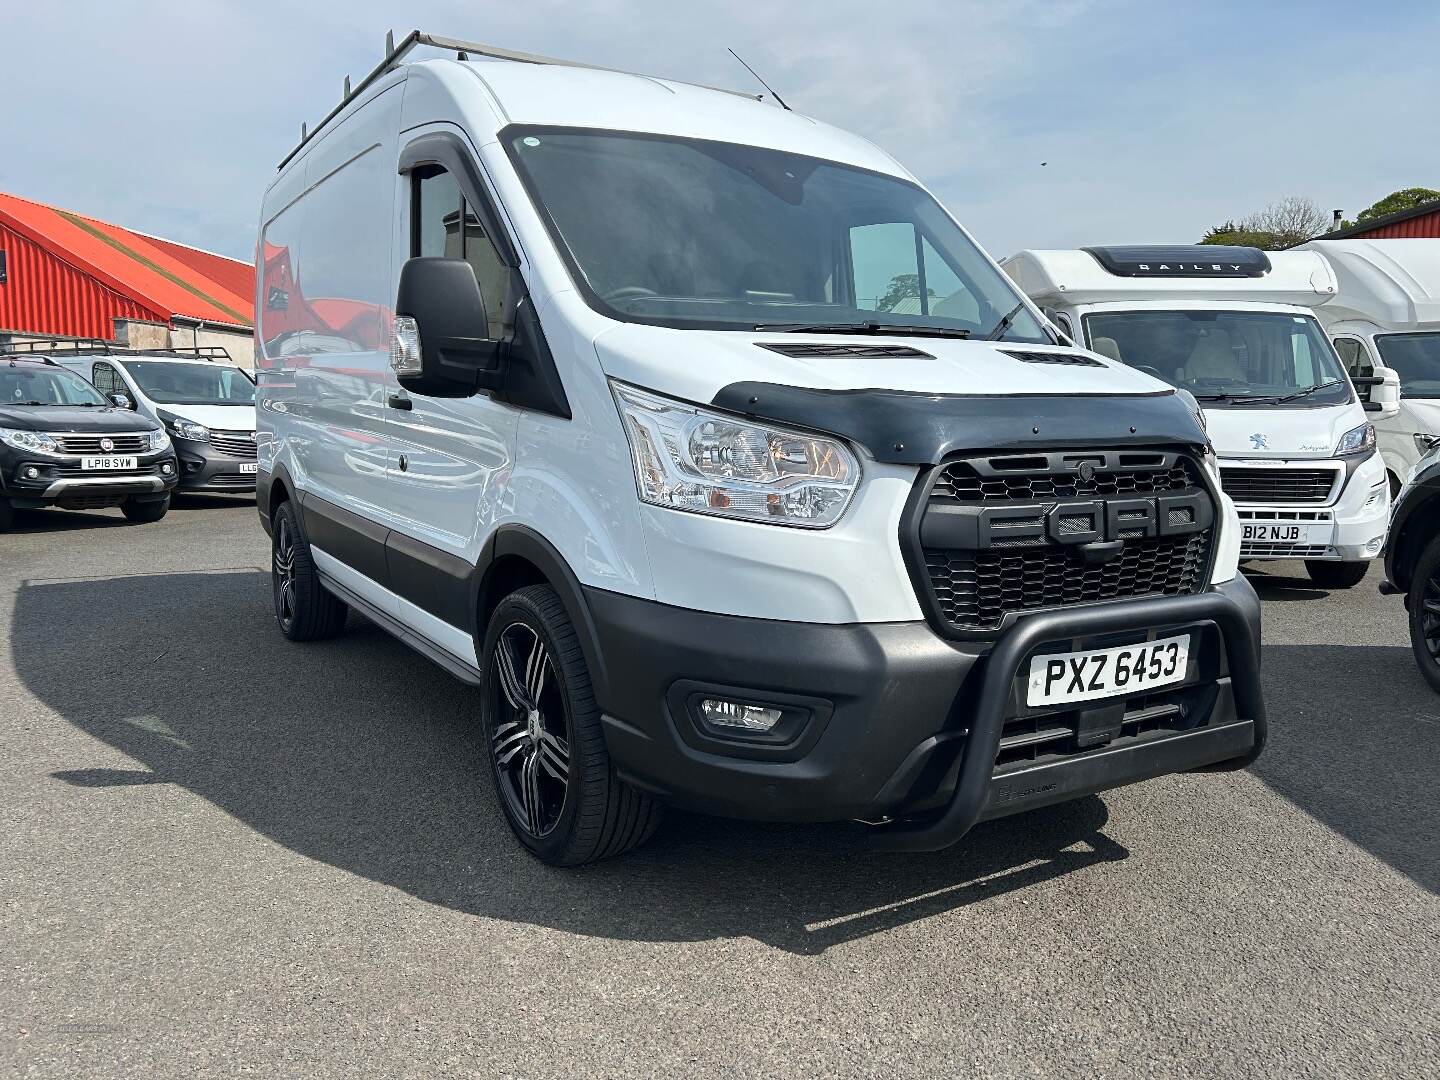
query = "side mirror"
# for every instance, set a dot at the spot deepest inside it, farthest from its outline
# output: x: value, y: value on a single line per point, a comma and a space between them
x: 1384, y: 398
x: 440, y: 348
x: 121, y: 401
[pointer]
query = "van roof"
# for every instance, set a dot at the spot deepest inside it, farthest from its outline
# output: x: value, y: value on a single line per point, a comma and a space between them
x: 1191, y: 272
x: 523, y: 88
x: 1395, y: 283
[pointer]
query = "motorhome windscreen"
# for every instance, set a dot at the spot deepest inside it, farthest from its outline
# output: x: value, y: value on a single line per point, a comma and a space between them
x: 192, y: 384
x: 21, y: 384
x: 1416, y: 359
x: 690, y: 233
x: 1226, y: 357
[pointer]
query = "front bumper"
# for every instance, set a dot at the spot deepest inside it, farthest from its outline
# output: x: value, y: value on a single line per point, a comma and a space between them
x: 1351, y: 528
x: 894, y: 722
x: 63, y: 482
x: 203, y: 467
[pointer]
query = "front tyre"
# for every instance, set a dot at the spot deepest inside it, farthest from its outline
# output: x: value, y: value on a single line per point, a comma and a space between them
x: 557, y: 787
x: 142, y: 513
x: 303, y: 608
x: 1336, y: 575
x: 1423, y: 606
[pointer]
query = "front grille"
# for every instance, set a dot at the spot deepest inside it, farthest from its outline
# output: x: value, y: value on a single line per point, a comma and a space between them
x: 239, y: 444
x: 1009, y: 534
x: 1277, y: 485
x: 235, y: 480
x: 138, y: 443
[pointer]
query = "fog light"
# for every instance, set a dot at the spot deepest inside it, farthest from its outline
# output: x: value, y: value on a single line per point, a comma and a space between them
x: 32, y: 473
x: 732, y: 714
x: 1373, y: 547
x: 166, y: 469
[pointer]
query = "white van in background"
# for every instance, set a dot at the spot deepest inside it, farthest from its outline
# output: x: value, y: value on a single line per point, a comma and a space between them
x: 628, y: 423
x: 204, y: 401
x: 1384, y: 319
x: 1235, y: 328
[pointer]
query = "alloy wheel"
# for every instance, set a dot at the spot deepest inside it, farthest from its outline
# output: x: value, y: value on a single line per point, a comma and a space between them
x: 530, y: 740
x: 284, y: 570
x: 1430, y: 615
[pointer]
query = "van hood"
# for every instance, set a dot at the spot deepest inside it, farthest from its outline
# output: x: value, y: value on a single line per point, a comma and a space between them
x: 947, y: 396
x: 695, y: 364
x: 219, y: 417
x: 102, y: 420
x: 1251, y: 431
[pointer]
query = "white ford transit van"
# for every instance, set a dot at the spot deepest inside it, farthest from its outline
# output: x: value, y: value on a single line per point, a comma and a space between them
x: 1385, y: 323
x: 1234, y: 327
x: 707, y: 444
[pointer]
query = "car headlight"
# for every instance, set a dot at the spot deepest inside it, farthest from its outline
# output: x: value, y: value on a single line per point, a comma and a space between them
x: 687, y: 458
x: 186, y: 429
x: 159, y: 440
x: 1360, y: 440
x: 36, y: 442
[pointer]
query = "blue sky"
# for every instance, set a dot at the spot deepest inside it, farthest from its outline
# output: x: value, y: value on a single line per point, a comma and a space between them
x: 1155, y: 119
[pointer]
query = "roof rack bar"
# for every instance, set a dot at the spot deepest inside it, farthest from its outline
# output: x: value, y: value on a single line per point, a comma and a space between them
x: 394, y: 54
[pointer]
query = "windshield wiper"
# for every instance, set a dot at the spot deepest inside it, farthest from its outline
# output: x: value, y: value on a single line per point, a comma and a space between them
x: 1241, y: 399
x: 1004, y: 324
x: 1306, y: 391
x: 886, y: 329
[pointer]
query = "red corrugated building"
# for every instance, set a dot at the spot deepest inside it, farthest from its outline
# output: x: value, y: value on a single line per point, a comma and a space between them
x: 1421, y: 221
x: 63, y: 274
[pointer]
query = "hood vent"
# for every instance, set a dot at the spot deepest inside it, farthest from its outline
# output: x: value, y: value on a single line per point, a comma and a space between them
x: 1068, y: 358
x: 817, y: 350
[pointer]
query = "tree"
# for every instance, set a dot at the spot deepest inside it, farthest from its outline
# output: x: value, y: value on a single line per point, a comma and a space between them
x: 902, y: 287
x: 1404, y: 199
x: 1282, y: 224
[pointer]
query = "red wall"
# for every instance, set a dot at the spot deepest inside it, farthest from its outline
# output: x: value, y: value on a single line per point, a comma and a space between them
x: 42, y: 294
x: 1426, y: 225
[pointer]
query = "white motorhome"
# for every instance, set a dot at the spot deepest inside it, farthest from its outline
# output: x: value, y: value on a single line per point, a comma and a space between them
x: 602, y: 391
x: 1385, y: 323
x: 1234, y: 328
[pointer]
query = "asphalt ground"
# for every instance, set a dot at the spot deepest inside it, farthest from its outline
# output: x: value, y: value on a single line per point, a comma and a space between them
x: 224, y: 854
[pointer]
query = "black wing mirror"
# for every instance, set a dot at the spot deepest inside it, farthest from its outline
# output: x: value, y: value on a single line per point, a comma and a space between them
x: 440, y: 347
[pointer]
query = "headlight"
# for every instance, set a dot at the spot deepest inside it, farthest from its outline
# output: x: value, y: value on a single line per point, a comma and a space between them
x: 36, y: 442
x: 709, y: 463
x: 1360, y: 440
x: 186, y: 429
x: 1425, y: 443
x: 159, y: 440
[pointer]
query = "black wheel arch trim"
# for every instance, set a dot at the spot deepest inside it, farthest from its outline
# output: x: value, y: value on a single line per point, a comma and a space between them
x: 1414, y: 520
x: 909, y: 428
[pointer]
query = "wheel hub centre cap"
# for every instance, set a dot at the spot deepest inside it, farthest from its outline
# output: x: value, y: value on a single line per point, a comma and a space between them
x: 533, y: 724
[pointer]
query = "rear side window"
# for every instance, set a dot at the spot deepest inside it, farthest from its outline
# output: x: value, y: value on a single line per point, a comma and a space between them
x: 103, y: 376
x: 444, y: 224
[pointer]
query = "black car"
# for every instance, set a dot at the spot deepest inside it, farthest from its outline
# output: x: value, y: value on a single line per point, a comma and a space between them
x: 63, y: 444
x: 1412, y: 563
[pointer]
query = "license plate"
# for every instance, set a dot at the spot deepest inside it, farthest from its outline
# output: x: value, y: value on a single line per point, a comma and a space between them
x: 108, y: 461
x: 1267, y: 533
x: 1099, y: 673
x: 251, y: 468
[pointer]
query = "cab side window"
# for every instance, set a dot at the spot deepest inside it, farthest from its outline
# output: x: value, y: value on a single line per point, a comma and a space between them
x: 444, y: 224
x: 1354, y: 356
x: 104, y: 379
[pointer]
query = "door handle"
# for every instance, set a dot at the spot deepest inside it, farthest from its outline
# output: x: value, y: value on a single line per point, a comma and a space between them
x: 399, y: 401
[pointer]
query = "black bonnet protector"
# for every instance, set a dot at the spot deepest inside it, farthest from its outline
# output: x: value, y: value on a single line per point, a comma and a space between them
x: 907, y: 428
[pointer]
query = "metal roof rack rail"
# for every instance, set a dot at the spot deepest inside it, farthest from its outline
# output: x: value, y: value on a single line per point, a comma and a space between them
x: 199, y: 352
x: 41, y: 346
x: 395, y: 54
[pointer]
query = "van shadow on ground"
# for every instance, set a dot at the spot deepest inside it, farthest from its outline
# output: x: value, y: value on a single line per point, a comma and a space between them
x: 363, y: 755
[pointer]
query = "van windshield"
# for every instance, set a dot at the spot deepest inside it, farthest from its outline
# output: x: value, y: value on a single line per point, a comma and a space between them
x: 691, y: 233
x: 1227, y: 357
x: 24, y: 385
x: 170, y: 383
x: 1416, y: 359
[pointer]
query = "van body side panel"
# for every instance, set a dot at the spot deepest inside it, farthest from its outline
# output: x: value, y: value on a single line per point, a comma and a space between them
x: 326, y: 310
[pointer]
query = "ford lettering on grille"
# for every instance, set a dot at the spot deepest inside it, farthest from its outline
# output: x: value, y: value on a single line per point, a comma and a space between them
x: 1088, y: 521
